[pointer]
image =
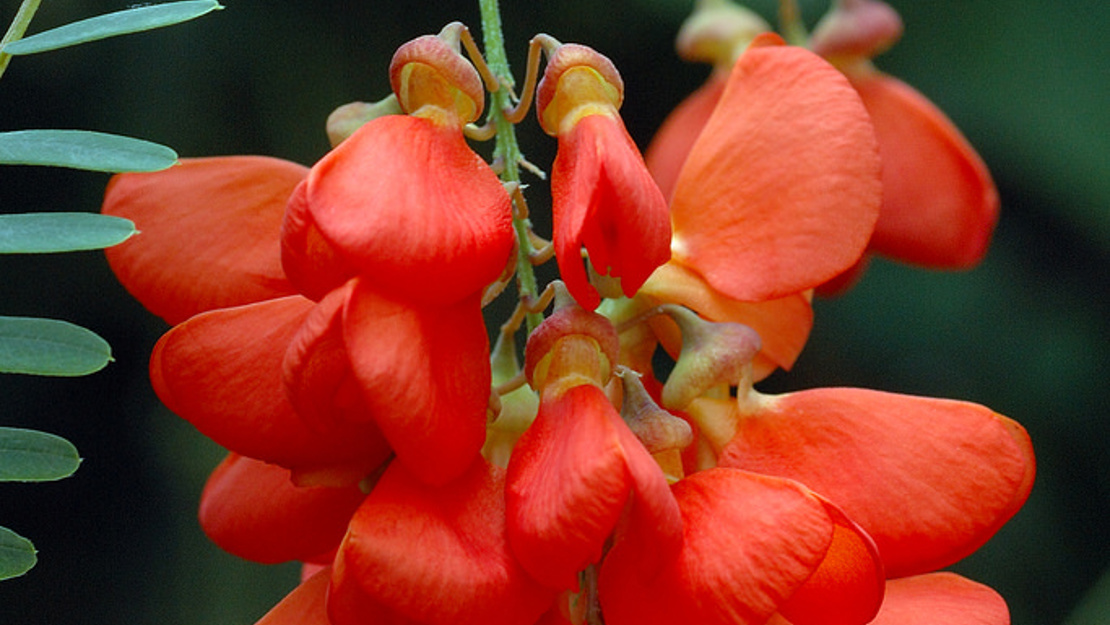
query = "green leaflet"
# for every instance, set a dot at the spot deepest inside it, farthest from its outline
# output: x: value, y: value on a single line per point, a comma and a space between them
x: 83, y: 149
x: 112, y: 24
x: 38, y: 233
x: 50, y: 347
x: 17, y: 554
x: 33, y: 456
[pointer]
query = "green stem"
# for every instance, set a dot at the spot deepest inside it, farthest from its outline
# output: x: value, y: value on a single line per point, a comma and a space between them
x: 506, y: 149
x: 19, y: 26
x: 791, y: 24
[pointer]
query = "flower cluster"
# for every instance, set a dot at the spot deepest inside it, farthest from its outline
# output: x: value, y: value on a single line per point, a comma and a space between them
x: 328, y: 330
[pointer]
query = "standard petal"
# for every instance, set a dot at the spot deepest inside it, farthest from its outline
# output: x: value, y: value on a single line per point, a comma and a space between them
x: 253, y: 510
x: 939, y: 202
x: 411, y: 207
x: 603, y: 199
x: 782, y: 189
x: 929, y: 479
x: 208, y: 233
x: 435, y: 555
x: 750, y: 542
x: 674, y: 139
x: 941, y: 598
x: 569, y: 479
x: 783, y: 324
x: 425, y: 376
x: 222, y: 372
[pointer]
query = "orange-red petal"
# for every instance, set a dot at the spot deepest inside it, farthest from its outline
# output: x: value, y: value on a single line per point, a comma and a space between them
x: 411, y: 207
x: 208, y: 233
x: 941, y: 598
x: 676, y: 136
x: 425, y: 377
x: 569, y: 478
x: 603, y: 199
x: 929, y: 479
x: 306, y: 605
x: 782, y: 188
x: 939, y: 202
x: 852, y: 562
x: 751, y: 542
x: 433, y: 555
x: 222, y: 371
x: 319, y: 380
x: 253, y: 510
x: 310, y: 262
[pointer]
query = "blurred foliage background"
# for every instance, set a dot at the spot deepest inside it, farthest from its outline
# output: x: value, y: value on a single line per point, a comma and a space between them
x: 1025, y: 333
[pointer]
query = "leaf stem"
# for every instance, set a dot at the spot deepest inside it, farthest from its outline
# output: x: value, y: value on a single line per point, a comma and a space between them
x: 18, y: 27
x: 506, y: 149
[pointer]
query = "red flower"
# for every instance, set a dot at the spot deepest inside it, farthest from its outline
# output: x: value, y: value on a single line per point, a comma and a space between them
x: 418, y: 372
x: 783, y: 110
x: 940, y: 598
x: 210, y: 228
x: 433, y: 554
x: 753, y: 546
x: 939, y: 204
x: 721, y: 546
x: 750, y: 242
x: 929, y: 479
x: 936, y: 598
x: 330, y: 335
x: 393, y: 237
x: 252, y: 509
x: 407, y: 205
x: 576, y: 468
x: 222, y: 372
x: 603, y: 198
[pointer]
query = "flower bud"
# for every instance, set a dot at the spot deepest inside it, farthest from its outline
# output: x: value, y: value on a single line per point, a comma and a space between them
x: 713, y: 354
x: 856, y: 29
x: 345, y: 120
x: 431, y: 78
x: 578, y: 81
x: 573, y: 346
x: 656, y: 428
x: 718, y: 31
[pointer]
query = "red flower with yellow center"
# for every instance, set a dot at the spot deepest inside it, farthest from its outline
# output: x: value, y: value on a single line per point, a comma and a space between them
x: 329, y: 333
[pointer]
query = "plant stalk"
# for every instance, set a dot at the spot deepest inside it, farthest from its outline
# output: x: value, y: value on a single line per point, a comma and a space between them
x: 18, y: 27
x: 506, y: 149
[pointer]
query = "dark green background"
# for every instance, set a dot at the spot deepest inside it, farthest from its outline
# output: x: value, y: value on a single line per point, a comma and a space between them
x: 1025, y: 333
